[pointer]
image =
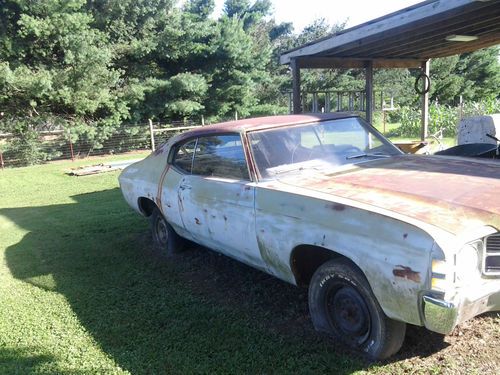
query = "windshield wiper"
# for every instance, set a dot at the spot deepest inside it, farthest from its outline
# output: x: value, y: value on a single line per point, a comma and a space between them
x: 367, y: 155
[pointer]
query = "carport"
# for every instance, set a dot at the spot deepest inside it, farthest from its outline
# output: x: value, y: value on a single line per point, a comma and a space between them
x: 408, y: 38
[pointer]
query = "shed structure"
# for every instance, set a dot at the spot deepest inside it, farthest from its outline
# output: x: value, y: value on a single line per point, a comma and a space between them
x: 408, y: 38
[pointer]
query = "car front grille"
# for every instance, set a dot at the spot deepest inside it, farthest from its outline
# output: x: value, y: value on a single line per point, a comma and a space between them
x: 492, y: 255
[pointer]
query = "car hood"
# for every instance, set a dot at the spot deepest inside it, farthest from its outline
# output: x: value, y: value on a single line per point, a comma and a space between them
x: 450, y: 193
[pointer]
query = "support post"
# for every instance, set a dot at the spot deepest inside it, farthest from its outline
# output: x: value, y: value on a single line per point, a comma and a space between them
x: 425, y: 101
x: 152, y: 134
x: 296, y: 86
x: 369, y: 90
x: 1, y: 160
x: 315, y: 103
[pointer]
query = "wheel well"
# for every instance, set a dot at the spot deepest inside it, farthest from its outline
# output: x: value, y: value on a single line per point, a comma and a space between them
x: 306, y: 259
x: 146, y: 206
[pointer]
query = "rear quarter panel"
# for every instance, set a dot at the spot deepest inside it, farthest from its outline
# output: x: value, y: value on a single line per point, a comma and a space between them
x: 141, y: 179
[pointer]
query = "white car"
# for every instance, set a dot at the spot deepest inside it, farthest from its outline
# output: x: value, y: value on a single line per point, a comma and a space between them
x: 382, y: 238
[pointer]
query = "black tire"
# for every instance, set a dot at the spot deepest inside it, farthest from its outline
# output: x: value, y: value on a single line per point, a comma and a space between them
x: 342, y: 305
x: 165, y: 239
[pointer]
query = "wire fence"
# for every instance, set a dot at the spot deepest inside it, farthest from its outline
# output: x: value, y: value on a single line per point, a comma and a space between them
x: 43, y: 146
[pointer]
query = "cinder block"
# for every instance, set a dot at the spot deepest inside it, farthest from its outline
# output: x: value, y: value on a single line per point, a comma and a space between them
x: 474, y: 129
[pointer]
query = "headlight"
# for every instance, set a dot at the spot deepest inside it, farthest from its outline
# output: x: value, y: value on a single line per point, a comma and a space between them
x: 464, y: 268
x: 468, y: 262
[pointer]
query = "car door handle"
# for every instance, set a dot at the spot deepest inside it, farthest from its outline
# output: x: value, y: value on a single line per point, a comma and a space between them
x: 185, y: 187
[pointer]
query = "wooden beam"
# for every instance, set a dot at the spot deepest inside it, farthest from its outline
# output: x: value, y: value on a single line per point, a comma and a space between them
x: 424, y: 132
x: 353, y: 63
x: 296, y: 86
x: 369, y: 90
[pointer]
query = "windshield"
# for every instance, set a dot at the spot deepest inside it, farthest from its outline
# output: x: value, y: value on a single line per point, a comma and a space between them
x: 319, y: 145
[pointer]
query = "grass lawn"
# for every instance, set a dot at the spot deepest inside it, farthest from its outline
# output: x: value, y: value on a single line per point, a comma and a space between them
x: 433, y: 143
x: 81, y: 291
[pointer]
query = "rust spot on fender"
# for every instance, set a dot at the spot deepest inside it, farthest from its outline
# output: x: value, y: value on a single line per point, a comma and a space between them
x: 336, y: 206
x: 197, y: 221
x: 406, y: 273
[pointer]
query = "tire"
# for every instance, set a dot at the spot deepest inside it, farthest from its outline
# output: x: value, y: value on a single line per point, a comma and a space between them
x: 343, y: 306
x: 166, y: 241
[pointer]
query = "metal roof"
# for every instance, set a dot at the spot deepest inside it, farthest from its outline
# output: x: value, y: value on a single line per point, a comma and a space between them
x: 406, y: 37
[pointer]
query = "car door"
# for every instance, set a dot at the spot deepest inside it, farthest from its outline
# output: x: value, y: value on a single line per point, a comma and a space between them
x: 216, y: 197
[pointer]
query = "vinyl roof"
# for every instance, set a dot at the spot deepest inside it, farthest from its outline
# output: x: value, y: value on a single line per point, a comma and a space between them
x: 259, y: 123
x: 406, y: 37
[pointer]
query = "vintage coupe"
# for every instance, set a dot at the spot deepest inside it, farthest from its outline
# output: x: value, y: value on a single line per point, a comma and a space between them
x: 381, y: 238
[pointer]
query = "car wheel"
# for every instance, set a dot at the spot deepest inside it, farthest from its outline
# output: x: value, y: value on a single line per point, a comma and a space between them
x: 342, y: 305
x: 166, y: 241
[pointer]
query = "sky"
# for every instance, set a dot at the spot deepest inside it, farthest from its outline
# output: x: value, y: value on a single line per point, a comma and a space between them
x: 303, y: 12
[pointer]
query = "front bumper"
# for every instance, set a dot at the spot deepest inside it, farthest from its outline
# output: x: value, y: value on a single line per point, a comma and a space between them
x: 439, y: 316
x: 443, y: 316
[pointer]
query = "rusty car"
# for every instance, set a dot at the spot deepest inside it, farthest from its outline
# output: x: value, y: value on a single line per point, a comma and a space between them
x: 382, y: 239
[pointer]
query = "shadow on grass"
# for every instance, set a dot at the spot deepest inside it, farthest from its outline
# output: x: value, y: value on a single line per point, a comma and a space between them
x: 22, y: 361
x: 197, y: 312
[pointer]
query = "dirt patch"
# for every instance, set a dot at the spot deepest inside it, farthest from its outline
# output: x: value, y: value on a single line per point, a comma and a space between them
x: 472, y: 348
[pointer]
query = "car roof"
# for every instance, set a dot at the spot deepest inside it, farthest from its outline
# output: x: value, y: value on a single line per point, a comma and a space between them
x: 259, y: 123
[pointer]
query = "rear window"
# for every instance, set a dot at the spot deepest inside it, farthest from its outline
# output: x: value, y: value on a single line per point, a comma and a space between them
x: 218, y: 156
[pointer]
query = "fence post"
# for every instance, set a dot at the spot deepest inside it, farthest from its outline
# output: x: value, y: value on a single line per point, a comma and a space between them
x: 71, y: 145
x: 202, y: 120
x: 1, y: 160
x: 151, y: 131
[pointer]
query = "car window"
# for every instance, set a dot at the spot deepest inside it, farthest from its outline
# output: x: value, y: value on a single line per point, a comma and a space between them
x: 333, y: 143
x: 183, y: 157
x: 220, y: 156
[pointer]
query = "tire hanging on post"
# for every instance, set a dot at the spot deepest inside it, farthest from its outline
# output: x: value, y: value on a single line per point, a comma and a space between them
x: 427, y: 84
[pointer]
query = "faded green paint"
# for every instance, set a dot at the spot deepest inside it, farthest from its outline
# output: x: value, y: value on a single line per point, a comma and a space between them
x: 272, y: 261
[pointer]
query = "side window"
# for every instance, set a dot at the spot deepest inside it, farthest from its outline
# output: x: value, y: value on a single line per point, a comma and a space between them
x: 220, y: 156
x: 183, y: 157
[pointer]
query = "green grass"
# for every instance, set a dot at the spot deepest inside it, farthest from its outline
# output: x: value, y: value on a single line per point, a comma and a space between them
x: 82, y: 292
